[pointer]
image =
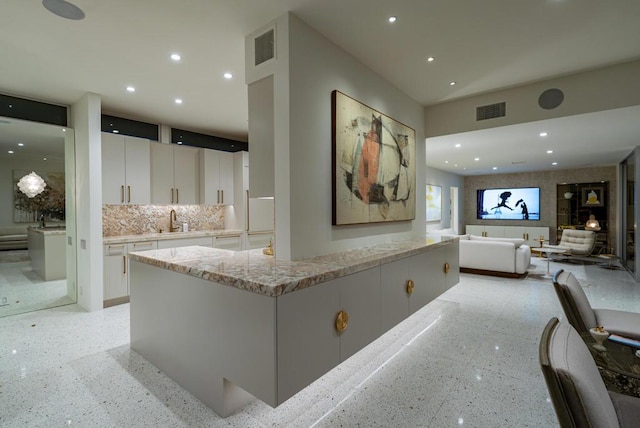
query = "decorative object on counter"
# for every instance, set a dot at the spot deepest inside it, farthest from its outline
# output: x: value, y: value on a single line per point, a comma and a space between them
x: 185, y: 227
x: 119, y: 220
x: 373, y: 163
x: 600, y: 335
x: 269, y: 250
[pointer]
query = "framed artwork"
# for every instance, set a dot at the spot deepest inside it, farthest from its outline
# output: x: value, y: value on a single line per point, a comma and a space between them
x: 434, y: 202
x: 593, y: 197
x: 373, y: 165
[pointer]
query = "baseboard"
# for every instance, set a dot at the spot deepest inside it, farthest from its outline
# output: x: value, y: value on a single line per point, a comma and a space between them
x: 116, y: 301
x: 493, y: 273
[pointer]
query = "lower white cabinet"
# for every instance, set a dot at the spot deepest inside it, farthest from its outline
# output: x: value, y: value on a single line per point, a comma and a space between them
x: 228, y: 242
x: 529, y: 233
x: 116, y: 270
x: 204, y: 241
x: 258, y: 240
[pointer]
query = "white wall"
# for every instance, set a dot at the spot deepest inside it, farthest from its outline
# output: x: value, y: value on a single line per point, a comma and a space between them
x: 86, y: 123
x: 447, y: 180
x: 316, y: 68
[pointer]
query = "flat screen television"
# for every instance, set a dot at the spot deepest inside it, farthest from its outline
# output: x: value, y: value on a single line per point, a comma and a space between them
x: 510, y: 203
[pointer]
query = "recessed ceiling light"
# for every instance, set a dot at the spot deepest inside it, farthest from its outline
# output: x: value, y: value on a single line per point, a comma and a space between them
x: 476, y: 159
x: 10, y: 152
x: 446, y: 161
x: 393, y: 19
x: 494, y: 168
x: 452, y: 83
x: 20, y: 144
x: 178, y: 101
x: 44, y: 159
x: 179, y: 142
x: 458, y: 145
x: 228, y: 75
x: 115, y: 131
x: 431, y: 59
x: 131, y: 89
x: 549, y: 151
x: 543, y: 134
x: 175, y: 57
x: 554, y: 163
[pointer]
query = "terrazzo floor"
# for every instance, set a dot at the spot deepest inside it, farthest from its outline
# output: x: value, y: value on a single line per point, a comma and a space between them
x: 469, y: 358
x: 23, y: 290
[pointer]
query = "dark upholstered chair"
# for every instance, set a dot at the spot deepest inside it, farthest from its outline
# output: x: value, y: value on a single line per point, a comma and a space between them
x: 577, y: 391
x: 582, y: 317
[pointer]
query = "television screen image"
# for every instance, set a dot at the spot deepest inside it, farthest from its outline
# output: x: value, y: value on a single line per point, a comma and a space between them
x: 521, y: 203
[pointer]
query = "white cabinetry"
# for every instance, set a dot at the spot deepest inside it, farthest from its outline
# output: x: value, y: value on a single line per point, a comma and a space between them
x: 204, y: 241
x: 216, y: 177
x: 116, y: 270
x: 228, y: 242
x: 174, y: 174
x: 528, y: 233
x: 126, y: 177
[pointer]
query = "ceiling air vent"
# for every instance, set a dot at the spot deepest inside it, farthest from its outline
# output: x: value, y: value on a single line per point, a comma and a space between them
x: 491, y: 111
x: 264, y: 47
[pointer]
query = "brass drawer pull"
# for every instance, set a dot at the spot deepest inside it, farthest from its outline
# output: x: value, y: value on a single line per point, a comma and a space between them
x: 342, y: 321
x: 410, y: 286
x: 447, y: 268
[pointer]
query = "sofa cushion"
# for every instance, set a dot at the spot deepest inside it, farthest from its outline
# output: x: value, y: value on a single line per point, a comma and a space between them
x: 515, y: 241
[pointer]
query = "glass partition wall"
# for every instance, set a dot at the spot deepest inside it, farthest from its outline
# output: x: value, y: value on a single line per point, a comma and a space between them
x: 629, y: 213
x: 37, y: 223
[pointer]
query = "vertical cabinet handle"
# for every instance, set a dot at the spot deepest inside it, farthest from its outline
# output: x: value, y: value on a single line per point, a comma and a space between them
x: 128, y: 194
x: 177, y: 197
x: 222, y: 197
x: 410, y: 286
x: 247, y: 213
x: 218, y: 196
x: 124, y: 264
x: 122, y: 194
x: 342, y: 321
x: 446, y: 268
x: 172, y: 195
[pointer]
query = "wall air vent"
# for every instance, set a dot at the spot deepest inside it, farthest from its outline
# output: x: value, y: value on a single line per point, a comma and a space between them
x: 264, y: 47
x: 491, y: 111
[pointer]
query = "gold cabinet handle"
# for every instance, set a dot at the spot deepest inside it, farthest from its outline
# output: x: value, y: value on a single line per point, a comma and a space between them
x: 124, y: 264
x: 218, y: 195
x: 177, y: 197
x: 172, y: 195
x: 342, y: 321
x: 447, y: 268
x: 122, y: 194
x: 128, y: 194
x: 410, y: 286
x: 222, y: 196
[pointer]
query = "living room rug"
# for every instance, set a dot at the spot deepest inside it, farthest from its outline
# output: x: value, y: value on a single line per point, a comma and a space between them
x: 538, y: 269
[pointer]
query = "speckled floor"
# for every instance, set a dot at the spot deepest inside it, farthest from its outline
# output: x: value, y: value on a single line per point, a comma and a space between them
x: 23, y: 290
x: 469, y: 359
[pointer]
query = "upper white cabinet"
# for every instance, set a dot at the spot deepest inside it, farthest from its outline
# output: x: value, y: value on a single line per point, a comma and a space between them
x: 126, y: 175
x: 216, y: 177
x: 174, y: 174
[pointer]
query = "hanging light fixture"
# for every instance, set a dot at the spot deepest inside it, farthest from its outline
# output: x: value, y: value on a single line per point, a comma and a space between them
x: 31, y: 184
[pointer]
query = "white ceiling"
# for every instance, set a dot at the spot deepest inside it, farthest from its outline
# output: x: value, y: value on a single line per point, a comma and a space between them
x: 482, y: 45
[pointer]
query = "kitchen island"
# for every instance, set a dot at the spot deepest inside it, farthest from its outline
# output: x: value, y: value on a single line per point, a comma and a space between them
x: 229, y: 325
x: 48, y: 251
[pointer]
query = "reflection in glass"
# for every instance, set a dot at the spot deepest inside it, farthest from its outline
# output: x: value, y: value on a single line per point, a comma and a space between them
x: 37, y: 236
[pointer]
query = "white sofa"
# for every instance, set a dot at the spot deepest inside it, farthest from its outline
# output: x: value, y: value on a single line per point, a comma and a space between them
x: 494, y: 256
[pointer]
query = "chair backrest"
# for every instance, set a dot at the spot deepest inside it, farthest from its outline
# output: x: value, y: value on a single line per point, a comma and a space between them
x: 578, y: 242
x: 577, y: 391
x: 574, y: 302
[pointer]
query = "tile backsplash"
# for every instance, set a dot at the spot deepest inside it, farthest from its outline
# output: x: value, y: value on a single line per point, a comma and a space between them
x: 120, y: 220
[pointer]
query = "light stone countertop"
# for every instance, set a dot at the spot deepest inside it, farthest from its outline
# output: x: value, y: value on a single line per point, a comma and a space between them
x: 253, y: 271
x: 48, y: 231
x: 124, y: 239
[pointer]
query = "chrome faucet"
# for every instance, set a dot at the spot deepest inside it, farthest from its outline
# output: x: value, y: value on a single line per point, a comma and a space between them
x: 42, y: 225
x: 172, y: 218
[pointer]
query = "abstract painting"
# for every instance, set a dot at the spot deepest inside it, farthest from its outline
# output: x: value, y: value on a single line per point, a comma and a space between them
x: 373, y: 162
x: 434, y: 202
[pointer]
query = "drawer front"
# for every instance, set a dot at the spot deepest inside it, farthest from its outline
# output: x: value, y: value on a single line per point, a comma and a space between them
x: 228, y: 243
x: 115, y: 250
x: 142, y: 246
x: 205, y: 241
